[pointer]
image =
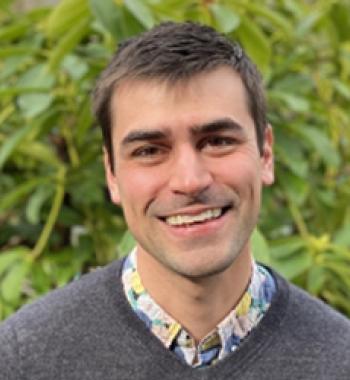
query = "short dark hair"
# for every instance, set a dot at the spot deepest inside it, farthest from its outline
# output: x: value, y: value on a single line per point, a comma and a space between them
x: 177, y: 51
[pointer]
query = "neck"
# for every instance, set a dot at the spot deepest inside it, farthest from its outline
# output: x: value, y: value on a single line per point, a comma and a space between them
x: 198, y: 304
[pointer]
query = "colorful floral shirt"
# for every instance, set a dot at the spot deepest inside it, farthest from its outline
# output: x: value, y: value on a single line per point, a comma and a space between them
x: 228, y: 334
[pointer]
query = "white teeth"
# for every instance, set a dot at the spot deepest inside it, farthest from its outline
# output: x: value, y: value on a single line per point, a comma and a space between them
x: 178, y: 220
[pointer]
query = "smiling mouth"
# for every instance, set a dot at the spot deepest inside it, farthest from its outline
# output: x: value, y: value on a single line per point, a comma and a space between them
x: 182, y: 220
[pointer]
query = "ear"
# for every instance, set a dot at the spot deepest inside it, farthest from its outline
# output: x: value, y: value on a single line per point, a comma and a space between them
x: 267, y: 158
x: 111, y: 179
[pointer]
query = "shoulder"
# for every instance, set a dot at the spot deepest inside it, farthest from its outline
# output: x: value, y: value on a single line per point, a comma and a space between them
x: 70, y: 310
x: 314, y: 318
x: 81, y: 295
x: 309, y: 331
x: 59, y: 336
x: 301, y: 337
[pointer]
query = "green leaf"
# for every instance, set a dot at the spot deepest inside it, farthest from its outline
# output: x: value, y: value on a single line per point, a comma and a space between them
x: 5, y: 309
x: 294, y: 265
x: 11, y: 285
x: 88, y: 190
x: 5, y: 4
x: 33, y: 104
x: 288, y: 146
x: 40, y: 281
x: 11, y: 256
x: 316, y: 279
x: 342, y: 88
x: 260, y: 247
x: 10, y: 51
x: 13, y: 91
x: 308, y: 22
x: 321, y: 143
x: 75, y: 66
x: 37, y: 76
x: 11, y: 65
x: 84, y: 121
x: 127, y: 243
x: 255, y: 43
x: 298, y: 165
x: 175, y: 10
x: 327, y: 197
x: 340, y: 14
x: 36, y: 202
x: 283, y: 248
x: 68, y: 42
x: 226, y: 19
x: 39, y: 151
x: 65, y: 16
x: 296, y: 188
x: 141, y: 12
x: 12, y: 142
x: 291, y: 82
x: 341, y: 269
x: 342, y: 236
x: 275, y: 18
x: 63, y: 266
x: 337, y: 300
x: 296, y: 103
x: 109, y: 15
x: 14, y: 31
x: 10, y: 199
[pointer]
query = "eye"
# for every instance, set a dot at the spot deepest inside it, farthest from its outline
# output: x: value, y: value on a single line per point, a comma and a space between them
x: 218, y: 143
x: 146, y: 151
x: 149, y: 154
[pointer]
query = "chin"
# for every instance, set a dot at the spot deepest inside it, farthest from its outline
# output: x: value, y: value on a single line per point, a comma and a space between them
x: 202, y: 270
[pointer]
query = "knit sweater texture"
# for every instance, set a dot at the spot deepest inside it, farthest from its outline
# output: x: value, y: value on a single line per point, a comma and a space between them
x: 87, y: 330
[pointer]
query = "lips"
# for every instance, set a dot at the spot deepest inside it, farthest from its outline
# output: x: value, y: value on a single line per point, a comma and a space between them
x: 187, y: 219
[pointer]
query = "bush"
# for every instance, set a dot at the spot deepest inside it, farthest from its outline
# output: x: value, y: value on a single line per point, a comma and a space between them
x: 55, y: 217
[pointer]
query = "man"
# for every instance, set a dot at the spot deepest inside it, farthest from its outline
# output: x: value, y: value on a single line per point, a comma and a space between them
x: 187, y: 150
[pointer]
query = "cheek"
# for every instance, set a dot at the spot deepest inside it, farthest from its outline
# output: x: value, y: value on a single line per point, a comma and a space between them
x: 243, y: 176
x: 242, y: 171
x: 137, y: 187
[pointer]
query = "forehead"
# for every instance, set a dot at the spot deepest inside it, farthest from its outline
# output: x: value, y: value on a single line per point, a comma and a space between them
x: 157, y: 104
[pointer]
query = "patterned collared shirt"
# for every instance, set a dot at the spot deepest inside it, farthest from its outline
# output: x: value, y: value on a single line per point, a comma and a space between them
x: 224, y: 339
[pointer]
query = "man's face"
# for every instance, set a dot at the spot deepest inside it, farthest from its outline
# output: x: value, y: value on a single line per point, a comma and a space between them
x: 188, y: 172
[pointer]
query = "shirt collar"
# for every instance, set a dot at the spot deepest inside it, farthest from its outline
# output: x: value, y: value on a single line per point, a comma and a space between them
x: 224, y: 339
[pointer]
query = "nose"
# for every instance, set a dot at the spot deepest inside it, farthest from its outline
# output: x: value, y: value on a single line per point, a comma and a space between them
x: 189, y: 173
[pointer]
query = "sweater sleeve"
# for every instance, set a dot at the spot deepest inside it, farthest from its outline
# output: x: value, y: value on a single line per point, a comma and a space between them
x: 9, y: 353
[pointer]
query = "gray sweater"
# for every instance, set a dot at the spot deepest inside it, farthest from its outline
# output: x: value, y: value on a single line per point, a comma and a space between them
x: 87, y: 331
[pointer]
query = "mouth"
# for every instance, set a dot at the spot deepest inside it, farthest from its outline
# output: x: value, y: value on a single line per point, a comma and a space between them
x: 184, y: 220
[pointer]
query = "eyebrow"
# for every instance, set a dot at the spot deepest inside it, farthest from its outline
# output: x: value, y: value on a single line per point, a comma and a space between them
x: 218, y: 125
x: 144, y: 135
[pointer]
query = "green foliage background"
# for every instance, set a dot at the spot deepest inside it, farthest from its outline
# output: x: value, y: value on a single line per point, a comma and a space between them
x: 56, y: 221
